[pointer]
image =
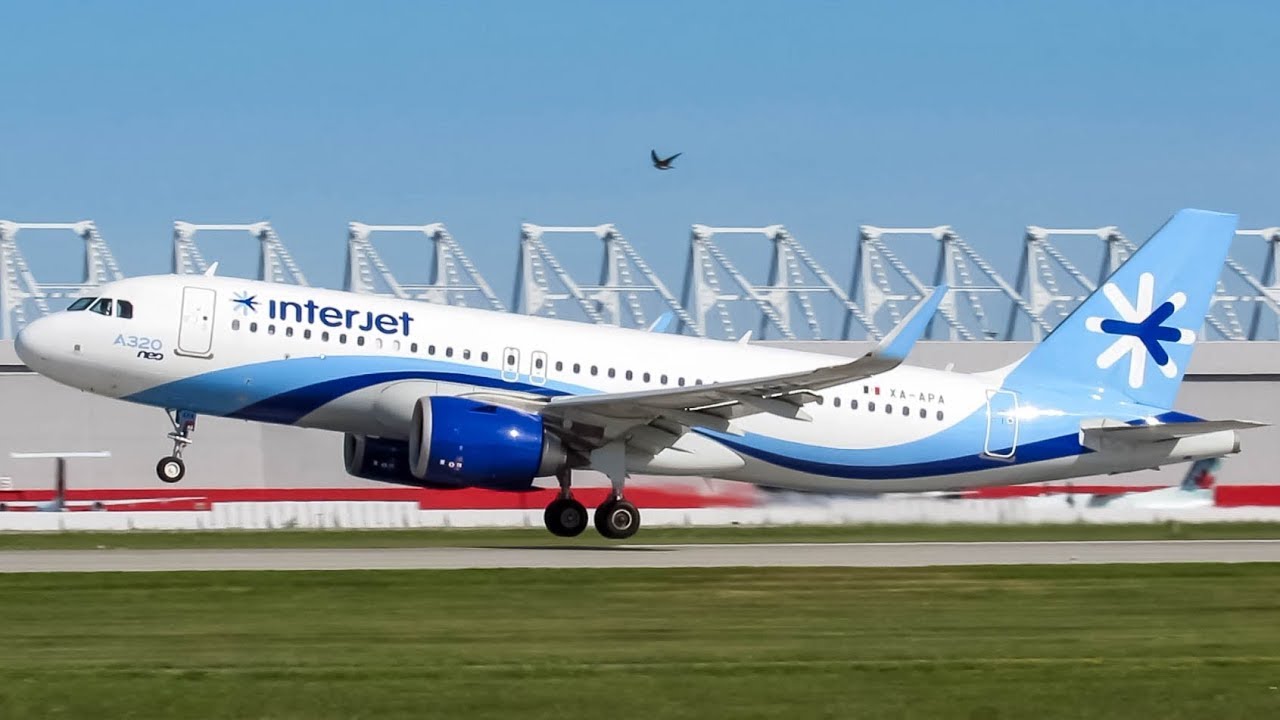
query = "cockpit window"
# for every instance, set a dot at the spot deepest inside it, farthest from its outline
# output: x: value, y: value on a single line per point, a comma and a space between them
x: 81, y: 304
x: 124, y: 309
x: 102, y: 307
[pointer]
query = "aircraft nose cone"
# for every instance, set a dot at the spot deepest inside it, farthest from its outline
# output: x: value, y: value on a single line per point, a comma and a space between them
x: 32, y: 344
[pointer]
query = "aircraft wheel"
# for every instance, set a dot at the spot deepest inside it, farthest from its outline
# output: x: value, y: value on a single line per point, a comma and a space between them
x: 565, y: 517
x: 171, y: 469
x: 617, y: 519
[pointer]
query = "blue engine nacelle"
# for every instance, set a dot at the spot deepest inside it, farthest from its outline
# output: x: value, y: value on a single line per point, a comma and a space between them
x: 374, y: 458
x: 459, y: 442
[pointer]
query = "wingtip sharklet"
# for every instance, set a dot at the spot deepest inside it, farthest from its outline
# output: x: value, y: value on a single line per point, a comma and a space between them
x: 897, y: 344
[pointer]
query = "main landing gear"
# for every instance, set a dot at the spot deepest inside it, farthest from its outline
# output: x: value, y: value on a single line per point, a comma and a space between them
x: 565, y: 516
x: 171, y: 469
x: 615, y: 518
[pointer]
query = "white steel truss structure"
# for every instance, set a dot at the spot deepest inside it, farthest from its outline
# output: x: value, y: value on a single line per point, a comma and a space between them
x: 454, y: 279
x: 795, y: 283
x: 275, y: 263
x: 545, y: 287
x: 1053, y: 285
x: 23, y: 298
x: 887, y: 286
x: 722, y: 295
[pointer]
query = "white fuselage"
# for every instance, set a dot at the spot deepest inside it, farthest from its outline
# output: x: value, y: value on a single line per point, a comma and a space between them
x: 354, y: 363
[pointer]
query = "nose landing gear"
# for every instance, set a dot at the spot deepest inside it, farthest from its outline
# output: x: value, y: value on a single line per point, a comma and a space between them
x: 171, y: 469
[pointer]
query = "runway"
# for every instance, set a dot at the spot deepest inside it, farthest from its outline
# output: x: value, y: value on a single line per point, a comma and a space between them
x: 920, y: 554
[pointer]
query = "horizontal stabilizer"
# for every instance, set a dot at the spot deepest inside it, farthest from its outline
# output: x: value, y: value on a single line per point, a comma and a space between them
x: 1140, y: 434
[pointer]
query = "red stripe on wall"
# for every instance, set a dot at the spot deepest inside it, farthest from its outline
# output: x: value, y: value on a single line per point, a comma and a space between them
x: 461, y: 499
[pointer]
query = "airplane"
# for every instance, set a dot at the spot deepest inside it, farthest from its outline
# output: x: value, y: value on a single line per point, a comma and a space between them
x: 438, y: 396
x: 1195, y: 491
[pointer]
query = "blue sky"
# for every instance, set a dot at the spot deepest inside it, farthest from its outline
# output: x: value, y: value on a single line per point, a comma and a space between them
x: 821, y: 116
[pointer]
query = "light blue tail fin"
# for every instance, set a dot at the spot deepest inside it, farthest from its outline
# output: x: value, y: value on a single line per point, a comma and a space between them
x: 1133, y: 335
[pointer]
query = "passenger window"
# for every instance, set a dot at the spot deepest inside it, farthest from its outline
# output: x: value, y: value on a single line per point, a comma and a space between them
x: 288, y: 331
x: 871, y: 406
x: 271, y: 329
x: 853, y: 404
x: 377, y: 342
x: 306, y: 334
x: 630, y: 375
x: 102, y: 307
x: 466, y: 354
x: 595, y: 370
x: 698, y: 381
x: 577, y: 368
x: 680, y: 381
x: 646, y: 377
x: 923, y: 413
x: 324, y: 336
x: 124, y: 309
x: 905, y: 411
x: 484, y: 356
x: 253, y: 327
x: 235, y: 324
x: 537, y: 362
x: 939, y: 414
x: 664, y: 379
x: 431, y: 349
x: 360, y: 340
x: 342, y: 338
x: 81, y: 304
x: 448, y: 352
x: 559, y: 365
x: 612, y: 372
x: 395, y: 345
x: 835, y: 402
x: 888, y: 409
x: 413, y: 347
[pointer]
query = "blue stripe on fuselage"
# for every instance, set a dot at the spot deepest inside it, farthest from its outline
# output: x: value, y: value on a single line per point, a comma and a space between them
x: 285, y: 391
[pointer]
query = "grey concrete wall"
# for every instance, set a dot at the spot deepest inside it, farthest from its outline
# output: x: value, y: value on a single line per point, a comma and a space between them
x: 1226, y: 380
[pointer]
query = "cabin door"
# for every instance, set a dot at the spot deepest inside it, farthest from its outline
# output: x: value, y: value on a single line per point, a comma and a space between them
x: 1002, y: 424
x: 195, y: 331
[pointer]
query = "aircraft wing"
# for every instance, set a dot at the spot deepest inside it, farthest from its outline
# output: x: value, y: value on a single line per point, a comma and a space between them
x: 598, y: 419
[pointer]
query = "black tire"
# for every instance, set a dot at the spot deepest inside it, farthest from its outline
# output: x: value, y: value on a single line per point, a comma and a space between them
x: 617, y: 519
x: 565, y: 517
x: 171, y: 469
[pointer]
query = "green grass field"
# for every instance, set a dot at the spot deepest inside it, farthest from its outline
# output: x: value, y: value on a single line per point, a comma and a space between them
x: 539, y: 536
x: 1173, y: 641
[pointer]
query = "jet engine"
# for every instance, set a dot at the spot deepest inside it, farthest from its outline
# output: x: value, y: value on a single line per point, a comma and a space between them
x: 375, y: 458
x: 460, y: 442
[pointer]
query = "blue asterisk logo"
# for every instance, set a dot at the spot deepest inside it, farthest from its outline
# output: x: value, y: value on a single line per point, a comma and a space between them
x: 245, y: 303
x: 1140, y: 330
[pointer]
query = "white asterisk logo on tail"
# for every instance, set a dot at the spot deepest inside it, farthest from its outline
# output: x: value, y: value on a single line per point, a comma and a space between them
x: 1140, y: 330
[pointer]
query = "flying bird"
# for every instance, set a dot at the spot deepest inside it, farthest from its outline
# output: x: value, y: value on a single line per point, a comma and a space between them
x: 663, y: 164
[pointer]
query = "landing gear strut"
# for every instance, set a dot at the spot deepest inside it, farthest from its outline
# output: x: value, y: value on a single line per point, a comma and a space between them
x: 615, y: 518
x: 171, y: 469
x: 565, y: 516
